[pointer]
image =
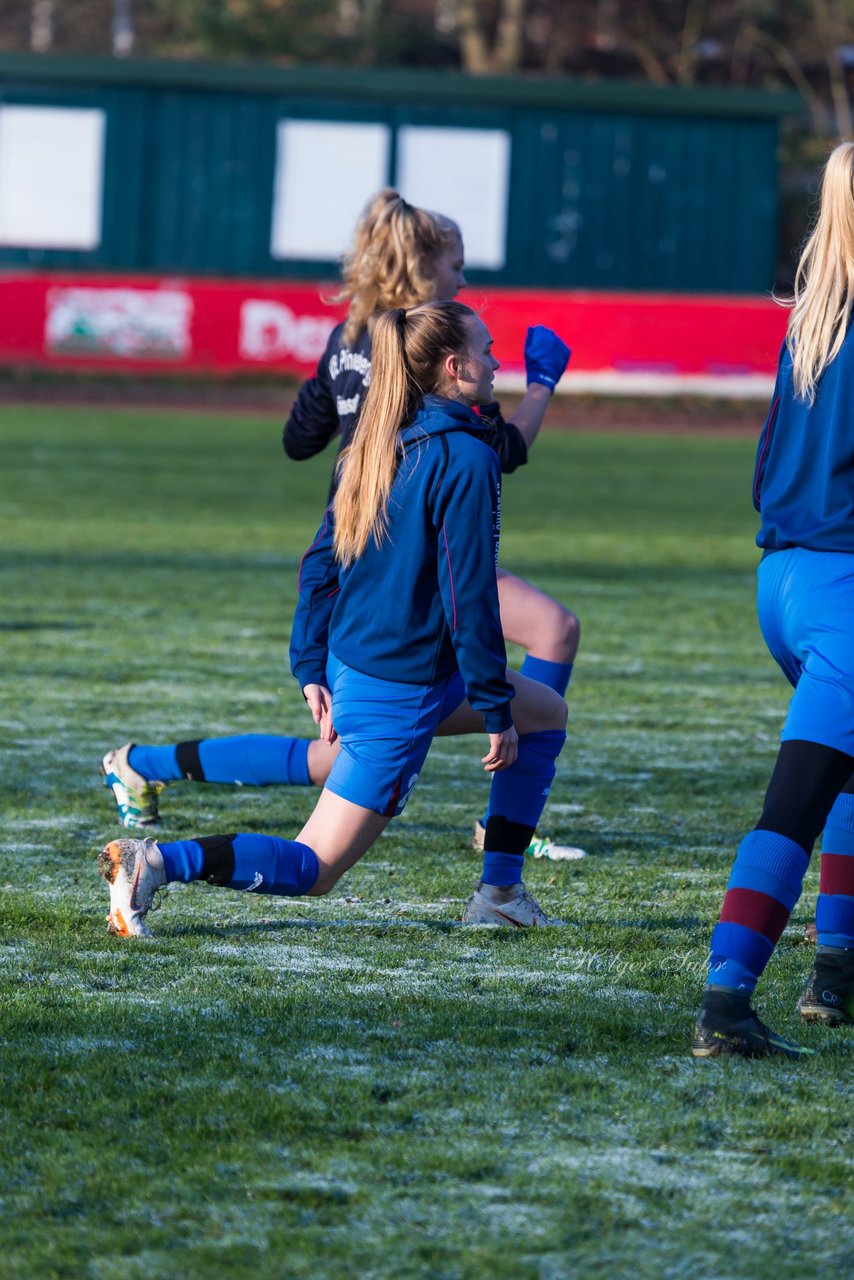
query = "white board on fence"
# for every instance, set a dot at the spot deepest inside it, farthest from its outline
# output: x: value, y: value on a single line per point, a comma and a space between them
x: 325, y: 175
x: 464, y: 173
x: 51, y: 177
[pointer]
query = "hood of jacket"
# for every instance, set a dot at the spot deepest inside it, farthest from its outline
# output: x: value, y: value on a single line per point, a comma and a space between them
x: 439, y: 415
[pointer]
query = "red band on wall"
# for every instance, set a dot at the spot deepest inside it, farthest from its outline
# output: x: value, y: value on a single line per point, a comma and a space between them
x: 243, y: 326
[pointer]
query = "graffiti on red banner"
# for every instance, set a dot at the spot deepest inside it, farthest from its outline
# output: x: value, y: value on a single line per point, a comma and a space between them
x: 131, y: 324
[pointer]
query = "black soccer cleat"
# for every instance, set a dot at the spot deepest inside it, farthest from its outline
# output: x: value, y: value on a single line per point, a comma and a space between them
x: 828, y: 996
x: 716, y: 1037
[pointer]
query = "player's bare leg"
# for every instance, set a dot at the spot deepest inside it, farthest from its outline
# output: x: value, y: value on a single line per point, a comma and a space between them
x: 339, y: 832
x: 537, y: 622
x: 321, y: 757
x: 536, y: 709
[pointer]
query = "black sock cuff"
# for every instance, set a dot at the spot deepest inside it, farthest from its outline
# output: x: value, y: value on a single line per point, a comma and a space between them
x: 726, y: 1000
x: 504, y: 836
x: 218, y: 858
x: 189, y: 761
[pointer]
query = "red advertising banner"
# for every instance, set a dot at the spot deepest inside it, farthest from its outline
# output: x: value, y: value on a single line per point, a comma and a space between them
x: 630, y: 341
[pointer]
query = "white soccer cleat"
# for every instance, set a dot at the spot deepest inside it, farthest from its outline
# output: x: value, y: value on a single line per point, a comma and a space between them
x: 134, y: 871
x: 135, y: 796
x: 540, y: 847
x: 515, y: 907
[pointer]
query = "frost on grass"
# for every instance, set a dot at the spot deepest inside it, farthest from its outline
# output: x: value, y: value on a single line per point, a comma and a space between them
x: 41, y: 824
x: 82, y: 1045
x: 662, y: 1170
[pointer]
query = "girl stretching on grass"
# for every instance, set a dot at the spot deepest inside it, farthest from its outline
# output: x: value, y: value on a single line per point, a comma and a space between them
x: 401, y: 256
x: 804, y: 490
x: 397, y: 629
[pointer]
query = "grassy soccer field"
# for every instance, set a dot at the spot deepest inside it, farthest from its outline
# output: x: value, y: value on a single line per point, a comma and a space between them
x: 357, y: 1085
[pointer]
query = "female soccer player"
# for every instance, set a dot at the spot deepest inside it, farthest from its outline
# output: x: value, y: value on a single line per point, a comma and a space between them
x: 397, y: 629
x: 804, y: 491
x: 401, y: 255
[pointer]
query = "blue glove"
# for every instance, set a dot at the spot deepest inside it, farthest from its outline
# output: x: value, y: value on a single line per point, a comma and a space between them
x: 546, y: 356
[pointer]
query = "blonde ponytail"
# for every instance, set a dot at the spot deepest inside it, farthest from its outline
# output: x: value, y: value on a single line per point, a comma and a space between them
x: 824, y: 283
x: 408, y: 350
x: 391, y: 260
x: 367, y: 466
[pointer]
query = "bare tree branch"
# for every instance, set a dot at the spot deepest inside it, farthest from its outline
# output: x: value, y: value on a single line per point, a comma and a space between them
x: 655, y: 69
x: 686, y: 66
x: 510, y: 38
x: 473, y: 48
x: 790, y: 65
x: 41, y: 27
x: 831, y: 39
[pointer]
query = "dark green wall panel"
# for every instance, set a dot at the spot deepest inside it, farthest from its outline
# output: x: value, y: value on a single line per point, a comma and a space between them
x: 648, y: 203
x: 599, y: 199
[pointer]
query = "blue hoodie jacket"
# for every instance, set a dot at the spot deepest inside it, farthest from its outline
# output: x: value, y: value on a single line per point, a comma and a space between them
x: 803, y: 484
x: 424, y: 603
x: 328, y: 405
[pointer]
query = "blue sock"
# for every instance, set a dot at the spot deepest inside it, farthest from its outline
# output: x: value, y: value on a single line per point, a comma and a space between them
x: 264, y: 863
x: 516, y: 800
x: 834, y: 912
x: 764, y: 885
x: 256, y: 760
x: 555, y: 674
x: 249, y: 759
x: 502, y: 868
x: 156, y: 764
x: 182, y: 860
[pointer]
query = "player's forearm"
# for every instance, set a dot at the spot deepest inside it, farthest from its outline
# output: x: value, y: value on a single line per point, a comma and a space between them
x: 528, y: 417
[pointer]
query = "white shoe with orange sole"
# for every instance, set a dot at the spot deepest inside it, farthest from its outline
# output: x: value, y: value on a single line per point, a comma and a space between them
x: 134, y: 871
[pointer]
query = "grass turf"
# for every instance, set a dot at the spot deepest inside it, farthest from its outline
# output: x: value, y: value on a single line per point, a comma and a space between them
x: 357, y: 1085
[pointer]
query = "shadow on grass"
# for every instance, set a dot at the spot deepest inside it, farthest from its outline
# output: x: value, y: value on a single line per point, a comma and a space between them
x: 46, y: 625
x: 308, y: 924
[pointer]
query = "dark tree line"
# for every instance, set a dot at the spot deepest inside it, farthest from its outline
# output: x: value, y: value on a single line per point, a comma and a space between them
x: 797, y: 43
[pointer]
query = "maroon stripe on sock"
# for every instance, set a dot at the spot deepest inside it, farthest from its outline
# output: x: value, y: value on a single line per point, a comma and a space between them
x: 757, y: 911
x: 836, y: 873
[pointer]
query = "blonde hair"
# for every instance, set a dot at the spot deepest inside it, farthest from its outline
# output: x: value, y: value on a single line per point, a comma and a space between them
x: 391, y: 260
x: 824, y: 283
x: 409, y: 348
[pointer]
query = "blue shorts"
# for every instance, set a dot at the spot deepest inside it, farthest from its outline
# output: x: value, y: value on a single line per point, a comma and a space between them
x: 385, y: 729
x: 806, y: 611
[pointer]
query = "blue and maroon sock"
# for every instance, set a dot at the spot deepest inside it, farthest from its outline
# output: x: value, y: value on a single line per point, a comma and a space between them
x: 764, y: 885
x: 249, y: 760
x: 834, y: 916
x: 263, y: 863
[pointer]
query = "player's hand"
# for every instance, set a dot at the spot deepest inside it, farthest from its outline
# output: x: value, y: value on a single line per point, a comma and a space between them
x: 319, y: 701
x: 503, y: 750
x: 546, y: 356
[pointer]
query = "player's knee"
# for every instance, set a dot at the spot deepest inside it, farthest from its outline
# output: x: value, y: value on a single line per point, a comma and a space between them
x: 568, y: 634
x: 552, y: 712
x: 559, y: 633
x: 327, y: 878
